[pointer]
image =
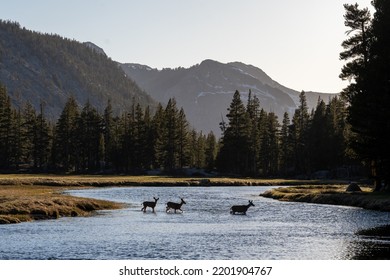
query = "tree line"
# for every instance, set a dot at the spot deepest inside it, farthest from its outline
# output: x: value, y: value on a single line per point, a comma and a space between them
x: 253, y: 142
x: 84, y: 141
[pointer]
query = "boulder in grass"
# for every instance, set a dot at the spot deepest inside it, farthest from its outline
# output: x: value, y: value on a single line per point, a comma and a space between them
x: 353, y: 187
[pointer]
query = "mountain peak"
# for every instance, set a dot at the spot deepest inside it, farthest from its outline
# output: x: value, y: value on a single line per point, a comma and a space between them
x: 210, y: 62
x: 51, y: 68
x: 95, y: 48
x: 205, y: 90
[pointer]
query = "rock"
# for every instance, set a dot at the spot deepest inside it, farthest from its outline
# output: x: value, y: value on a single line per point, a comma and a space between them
x: 353, y: 187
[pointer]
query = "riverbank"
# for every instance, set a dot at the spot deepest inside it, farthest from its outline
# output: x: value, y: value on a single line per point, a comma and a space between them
x: 27, y: 203
x: 335, y: 195
x: 117, y: 180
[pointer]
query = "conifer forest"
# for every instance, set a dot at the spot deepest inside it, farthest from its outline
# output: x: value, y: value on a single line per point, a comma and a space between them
x: 346, y: 136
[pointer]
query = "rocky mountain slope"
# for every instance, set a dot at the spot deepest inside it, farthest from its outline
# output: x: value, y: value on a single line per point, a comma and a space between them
x: 206, y: 90
x: 45, y: 68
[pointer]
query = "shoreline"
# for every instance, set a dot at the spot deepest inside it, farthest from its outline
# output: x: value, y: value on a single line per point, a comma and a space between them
x: 20, y: 203
x: 145, y: 180
x: 29, y: 197
x: 332, y: 195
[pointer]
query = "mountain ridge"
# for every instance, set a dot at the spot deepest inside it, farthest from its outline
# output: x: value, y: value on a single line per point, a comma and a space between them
x: 205, y: 90
x: 45, y: 68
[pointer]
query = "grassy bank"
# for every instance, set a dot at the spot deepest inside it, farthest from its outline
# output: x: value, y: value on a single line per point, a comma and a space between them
x: 108, y: 180
x: 27, y: 203
x: 335, y: 195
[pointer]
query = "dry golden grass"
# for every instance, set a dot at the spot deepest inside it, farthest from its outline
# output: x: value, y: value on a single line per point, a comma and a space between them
x: 26, y: 203
x: 335, y: 195
x: 115, y: 180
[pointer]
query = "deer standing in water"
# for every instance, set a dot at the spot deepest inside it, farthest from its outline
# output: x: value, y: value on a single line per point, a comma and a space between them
x: 175, y: 206
x: 150, y: 204
x: 241, y: 208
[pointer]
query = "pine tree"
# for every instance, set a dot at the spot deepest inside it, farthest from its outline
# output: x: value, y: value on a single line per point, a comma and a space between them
x: 300, y: 126
x: 234, y: 153
x: 200, y: 162
x: 254, y: 141
x: 118, y: 155
x: 149, y: 140
x: 159, y: 132
x: 211, y: 151
x: 182, y: 137
x: 319, y: 139
x: 192, y: 143
x: 6, y: 122
x: 171, y: 147
x: 109, y: 138
x: 285, y: 146
x: 269, y: 156
x: 66, y: 149
x: 139, y: 136
x: 336, y: 119
x: 17, y: 147
x: 42, y: 139
x: 89, y: 140
x: 366, y: 53
x: 29, y: 132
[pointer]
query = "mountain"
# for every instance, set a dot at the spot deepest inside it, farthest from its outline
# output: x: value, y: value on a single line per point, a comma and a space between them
x: 45, y: 68
x: 206, y: 90
x: 95, y: 48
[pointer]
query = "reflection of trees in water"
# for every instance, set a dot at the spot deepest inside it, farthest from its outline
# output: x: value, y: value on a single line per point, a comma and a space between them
x: 373, y: 244
x: 369, y: 250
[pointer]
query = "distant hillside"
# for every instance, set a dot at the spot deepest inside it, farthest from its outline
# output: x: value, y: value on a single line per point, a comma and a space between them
x: 206, y: 90
x: 47, y: 68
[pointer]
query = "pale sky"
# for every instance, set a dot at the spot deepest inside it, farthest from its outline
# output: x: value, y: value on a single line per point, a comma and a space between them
x: 296, y: 42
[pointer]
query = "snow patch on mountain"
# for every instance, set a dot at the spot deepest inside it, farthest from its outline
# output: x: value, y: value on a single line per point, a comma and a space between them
x: 205, y: 90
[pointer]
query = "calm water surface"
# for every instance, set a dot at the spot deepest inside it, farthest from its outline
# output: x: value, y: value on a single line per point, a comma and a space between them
x: 206, y: 230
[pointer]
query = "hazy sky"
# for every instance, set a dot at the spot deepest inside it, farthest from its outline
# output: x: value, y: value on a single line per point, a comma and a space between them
x: 296, y: 42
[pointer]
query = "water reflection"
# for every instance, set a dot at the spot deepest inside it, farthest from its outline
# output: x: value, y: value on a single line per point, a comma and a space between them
x: 368, y: 250
x: 372, y: 244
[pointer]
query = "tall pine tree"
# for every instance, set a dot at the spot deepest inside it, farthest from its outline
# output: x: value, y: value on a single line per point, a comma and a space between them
x: 6, y: 123
x: 234, y: 152
x: 66, y: 148
x: 368, y: 95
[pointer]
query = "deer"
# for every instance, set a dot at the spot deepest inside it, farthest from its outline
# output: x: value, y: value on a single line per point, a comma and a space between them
x: 241, y: 208
x: 175, y: 206
x: 150, y: 204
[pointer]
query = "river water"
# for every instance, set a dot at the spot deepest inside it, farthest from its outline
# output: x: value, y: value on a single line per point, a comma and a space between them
x: 205, y: 230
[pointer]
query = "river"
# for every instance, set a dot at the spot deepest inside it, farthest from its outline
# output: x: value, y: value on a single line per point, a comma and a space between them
x: 205, y: 230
